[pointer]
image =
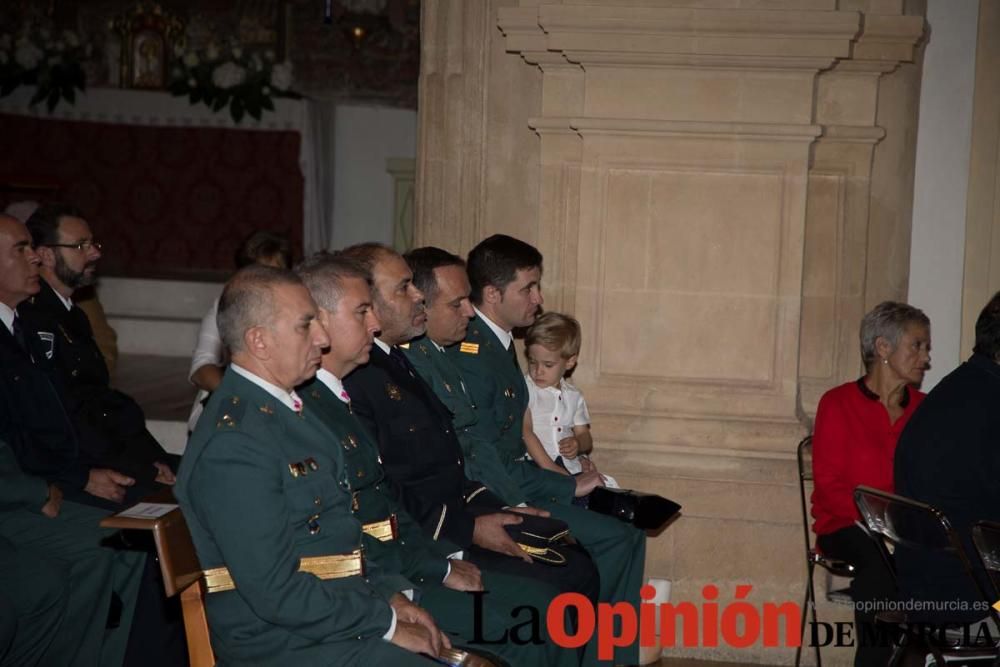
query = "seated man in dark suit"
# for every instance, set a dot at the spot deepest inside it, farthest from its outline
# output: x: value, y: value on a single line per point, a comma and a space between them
x: 110, y: 426
x: 420, y: 451
x: 948, y: 456
x: 45, y: 533
x: 36, y: 426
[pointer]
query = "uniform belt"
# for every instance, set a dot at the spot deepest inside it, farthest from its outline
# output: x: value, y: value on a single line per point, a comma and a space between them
x: 336, y: 566
x: 385, y: 530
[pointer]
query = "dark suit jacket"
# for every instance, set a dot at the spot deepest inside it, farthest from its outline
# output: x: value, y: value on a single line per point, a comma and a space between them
x: 949, y: 457
x: 33, y: 421
x: 420, y: 451
x: 110, y: 425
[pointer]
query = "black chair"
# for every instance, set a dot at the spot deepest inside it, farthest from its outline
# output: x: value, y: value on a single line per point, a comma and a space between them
x: 986, y: 537
x: 832, y: 566
x: 903, y: 522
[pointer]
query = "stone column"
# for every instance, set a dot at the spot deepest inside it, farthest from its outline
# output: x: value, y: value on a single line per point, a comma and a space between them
x: 838, y: 269
x: 698, y: 177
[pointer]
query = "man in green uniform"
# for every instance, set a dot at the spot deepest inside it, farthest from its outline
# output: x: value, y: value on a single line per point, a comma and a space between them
x: 505, y: 288
x: 268, y: 503
x: 58, y: 578
x: 392, y: 539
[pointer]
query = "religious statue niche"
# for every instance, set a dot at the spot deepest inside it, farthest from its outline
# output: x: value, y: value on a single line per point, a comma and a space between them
x: 149, y: 37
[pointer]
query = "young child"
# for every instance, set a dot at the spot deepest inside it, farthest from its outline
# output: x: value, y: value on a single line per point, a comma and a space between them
x: 556, y: 423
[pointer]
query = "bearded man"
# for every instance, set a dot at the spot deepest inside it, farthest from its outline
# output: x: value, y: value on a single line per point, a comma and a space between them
x: 110, y: 425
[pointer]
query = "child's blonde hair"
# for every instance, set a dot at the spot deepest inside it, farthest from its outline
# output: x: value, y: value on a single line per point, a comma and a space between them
x: 556, y: 332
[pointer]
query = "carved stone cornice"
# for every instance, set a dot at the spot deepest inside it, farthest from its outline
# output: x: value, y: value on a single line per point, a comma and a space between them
x: 675, y: 128
x: 852, y: 134
x: 888, y: 38
x: 714, y: 33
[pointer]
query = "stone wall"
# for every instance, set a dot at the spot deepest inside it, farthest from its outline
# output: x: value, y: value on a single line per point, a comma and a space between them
x: 720, y: 190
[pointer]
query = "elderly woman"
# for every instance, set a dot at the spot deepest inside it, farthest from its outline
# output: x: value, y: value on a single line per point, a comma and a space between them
x: 857, y: 426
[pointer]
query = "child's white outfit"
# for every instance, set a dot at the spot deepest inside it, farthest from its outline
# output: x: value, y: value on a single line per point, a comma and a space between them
x: 554, y: 413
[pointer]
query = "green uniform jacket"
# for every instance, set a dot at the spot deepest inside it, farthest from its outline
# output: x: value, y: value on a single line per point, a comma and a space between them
x: 482, y: 460
x: 247, y: 511
x: 496, y: 386
x: 417, y: 556
x: 412, y: 554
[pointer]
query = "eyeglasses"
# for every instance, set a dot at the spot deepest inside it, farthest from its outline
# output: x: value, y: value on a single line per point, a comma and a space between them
x: 85, y: 246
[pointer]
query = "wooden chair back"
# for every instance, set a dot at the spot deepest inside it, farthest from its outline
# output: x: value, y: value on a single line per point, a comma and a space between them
x: 182, y: 574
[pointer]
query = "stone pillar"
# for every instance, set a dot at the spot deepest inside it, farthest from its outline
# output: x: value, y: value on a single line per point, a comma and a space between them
x: 839, y: 229
x: 698, y: 177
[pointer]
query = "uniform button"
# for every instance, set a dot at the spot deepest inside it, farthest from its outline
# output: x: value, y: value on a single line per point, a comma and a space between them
x: 447, y: 431
x: 317, y: 501
x: 412, y: 429
x: 559, y: 429
x: 555, y: 419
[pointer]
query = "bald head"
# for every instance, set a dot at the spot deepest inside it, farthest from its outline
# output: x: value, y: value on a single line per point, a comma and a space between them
x: 248, y: 301
x: 271, y: 326
x: 18, y: 262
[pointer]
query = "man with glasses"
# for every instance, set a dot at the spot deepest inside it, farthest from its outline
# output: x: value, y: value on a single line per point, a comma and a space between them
x: 110, y: 426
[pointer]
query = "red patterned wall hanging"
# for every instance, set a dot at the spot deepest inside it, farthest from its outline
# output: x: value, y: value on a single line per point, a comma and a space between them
x: 166, y: 202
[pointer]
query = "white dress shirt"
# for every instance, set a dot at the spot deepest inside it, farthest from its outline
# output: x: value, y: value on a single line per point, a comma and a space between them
x: 554, y: 413
x: 7, y: 315
x: 208, y: 351
x: 289, y: 399
x: 506, y: 338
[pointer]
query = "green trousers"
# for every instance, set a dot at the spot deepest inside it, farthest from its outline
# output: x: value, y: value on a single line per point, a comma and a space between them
x: 67, y: 550
x: 619, y: 552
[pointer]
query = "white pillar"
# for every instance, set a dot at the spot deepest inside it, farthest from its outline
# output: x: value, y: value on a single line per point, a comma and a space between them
x: 937, y: 254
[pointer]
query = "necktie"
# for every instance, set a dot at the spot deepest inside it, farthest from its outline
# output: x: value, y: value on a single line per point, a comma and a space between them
x: 512, y: 351
x: 18, y: 332
x: 397, y: 355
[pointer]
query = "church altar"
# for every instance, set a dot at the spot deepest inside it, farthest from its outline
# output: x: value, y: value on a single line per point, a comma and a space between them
x: 171, y: 188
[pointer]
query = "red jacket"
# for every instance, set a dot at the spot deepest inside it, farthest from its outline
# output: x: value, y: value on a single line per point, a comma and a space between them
x: 853, y: 444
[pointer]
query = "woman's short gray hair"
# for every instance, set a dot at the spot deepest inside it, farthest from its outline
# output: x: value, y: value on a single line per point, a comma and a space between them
x: 887, y: 320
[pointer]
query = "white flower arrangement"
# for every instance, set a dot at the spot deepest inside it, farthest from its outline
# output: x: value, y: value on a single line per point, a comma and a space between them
x: 34, y: 56
x: 237, y: 77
